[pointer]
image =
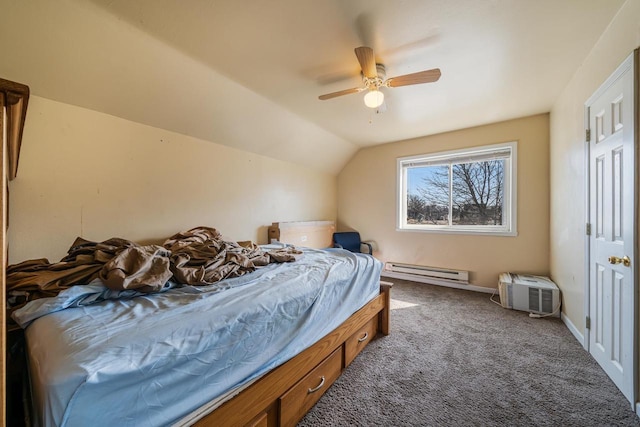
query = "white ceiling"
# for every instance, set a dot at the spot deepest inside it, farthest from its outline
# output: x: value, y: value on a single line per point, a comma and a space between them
x: 248, y: 73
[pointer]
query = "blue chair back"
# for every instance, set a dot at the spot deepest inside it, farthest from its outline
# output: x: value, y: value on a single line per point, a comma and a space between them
x: 348, y: 240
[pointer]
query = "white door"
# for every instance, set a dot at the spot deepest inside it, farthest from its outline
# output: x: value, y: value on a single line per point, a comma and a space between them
x: 611, y: 243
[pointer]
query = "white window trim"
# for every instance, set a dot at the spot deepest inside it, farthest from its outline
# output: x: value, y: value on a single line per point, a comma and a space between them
x: 510, y: 193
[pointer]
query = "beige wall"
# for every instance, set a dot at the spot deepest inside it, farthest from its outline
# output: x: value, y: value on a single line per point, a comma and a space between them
x: 76, y: 52
x: 568, y: 183
x: 84, y: 173
x: 367, y: 202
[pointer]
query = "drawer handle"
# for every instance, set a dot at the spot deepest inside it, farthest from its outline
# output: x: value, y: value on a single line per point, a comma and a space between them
x: 313, y: 390
x: 364, y: 338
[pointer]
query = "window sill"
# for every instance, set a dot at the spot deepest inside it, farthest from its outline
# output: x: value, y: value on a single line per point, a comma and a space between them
x: 498, y: 233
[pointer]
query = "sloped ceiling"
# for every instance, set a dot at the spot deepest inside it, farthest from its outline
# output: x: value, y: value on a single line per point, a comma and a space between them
x: 248, y: 73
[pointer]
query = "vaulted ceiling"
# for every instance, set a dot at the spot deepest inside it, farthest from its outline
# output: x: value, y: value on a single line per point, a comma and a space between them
x: 248, y: 73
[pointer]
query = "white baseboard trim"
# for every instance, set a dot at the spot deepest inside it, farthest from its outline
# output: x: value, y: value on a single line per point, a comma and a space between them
x: 576, y: 333
x: 438, y: 282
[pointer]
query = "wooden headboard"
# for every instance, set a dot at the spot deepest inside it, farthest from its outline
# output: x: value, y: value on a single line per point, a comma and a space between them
x: 310, y: 234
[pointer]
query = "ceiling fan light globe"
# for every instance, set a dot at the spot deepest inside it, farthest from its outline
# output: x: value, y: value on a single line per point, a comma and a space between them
x: 374, y: 99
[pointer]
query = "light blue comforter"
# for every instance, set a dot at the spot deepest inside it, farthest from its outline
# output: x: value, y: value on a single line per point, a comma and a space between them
x: 149, y: 360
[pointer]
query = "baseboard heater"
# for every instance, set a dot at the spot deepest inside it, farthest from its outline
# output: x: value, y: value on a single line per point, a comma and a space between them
x: 426, y: 274
x: 432, y: 275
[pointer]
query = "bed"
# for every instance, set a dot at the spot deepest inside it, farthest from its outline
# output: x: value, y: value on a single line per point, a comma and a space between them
x: 258, y: 349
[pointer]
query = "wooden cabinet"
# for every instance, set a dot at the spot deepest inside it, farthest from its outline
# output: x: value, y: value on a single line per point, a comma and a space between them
x: 356, y: 342
x: 297, y: 401
x: 261, y: 420
x: 302, y: 396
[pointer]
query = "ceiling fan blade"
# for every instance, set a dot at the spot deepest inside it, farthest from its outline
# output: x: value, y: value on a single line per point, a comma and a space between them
x: 420, y: 77
x: 367, y: 61
x: 340, y: 93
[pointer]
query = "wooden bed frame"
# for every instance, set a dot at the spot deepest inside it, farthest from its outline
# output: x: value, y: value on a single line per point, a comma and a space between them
x: 14, y: 99
x: 284, y: 395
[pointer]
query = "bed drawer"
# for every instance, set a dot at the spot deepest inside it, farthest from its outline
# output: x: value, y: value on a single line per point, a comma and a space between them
x: 260, y: 421
x: 302, y: 396
x: 359, y: 340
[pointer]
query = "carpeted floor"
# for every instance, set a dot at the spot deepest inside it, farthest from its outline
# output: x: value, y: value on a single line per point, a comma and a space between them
x: 454, y: 358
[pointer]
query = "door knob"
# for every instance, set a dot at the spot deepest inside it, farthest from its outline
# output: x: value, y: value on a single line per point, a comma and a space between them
x: 617, y: 260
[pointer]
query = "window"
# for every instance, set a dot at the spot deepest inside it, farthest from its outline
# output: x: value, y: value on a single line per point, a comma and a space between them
x: 463, y: 191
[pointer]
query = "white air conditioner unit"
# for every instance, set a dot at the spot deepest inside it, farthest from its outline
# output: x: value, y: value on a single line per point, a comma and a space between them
x: 535, y: 294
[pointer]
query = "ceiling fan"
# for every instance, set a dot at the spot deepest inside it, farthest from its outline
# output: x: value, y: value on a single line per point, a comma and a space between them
x: 374, y: 78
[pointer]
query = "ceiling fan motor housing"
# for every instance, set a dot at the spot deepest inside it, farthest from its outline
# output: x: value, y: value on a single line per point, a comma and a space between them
x: 374, y: 83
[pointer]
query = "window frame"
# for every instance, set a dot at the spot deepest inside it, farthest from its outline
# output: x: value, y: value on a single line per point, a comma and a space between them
x: 509, y: 198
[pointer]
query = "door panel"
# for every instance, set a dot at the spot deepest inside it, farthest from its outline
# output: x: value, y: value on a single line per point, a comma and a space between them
x: 599, y: 197
x: 612, y: 211
x: 598, y: 314
x: 617, y: 214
